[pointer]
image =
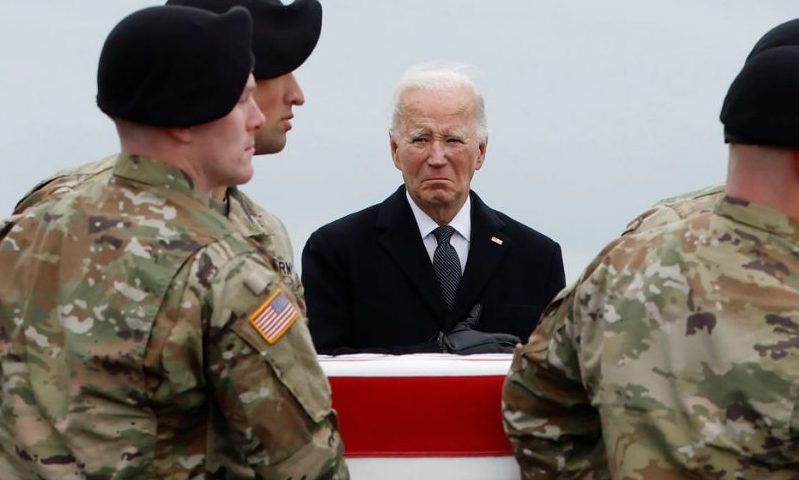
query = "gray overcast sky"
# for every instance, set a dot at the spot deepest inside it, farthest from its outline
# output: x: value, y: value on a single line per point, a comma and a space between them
x: 596, y: 109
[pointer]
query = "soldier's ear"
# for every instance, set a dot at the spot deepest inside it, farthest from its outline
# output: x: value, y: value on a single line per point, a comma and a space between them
x: 181, y: 134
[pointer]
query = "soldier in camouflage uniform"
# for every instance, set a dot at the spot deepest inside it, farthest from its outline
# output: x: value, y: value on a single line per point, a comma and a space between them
x: 141, y: 335
x: 675, y: 355
x: 246, y: 216
x: 283, y: 38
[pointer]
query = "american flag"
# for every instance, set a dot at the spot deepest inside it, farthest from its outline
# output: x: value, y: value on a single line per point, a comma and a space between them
x: 274, y: 317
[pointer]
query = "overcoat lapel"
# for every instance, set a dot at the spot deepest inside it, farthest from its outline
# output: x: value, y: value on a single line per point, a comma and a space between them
x: 487, y: 248
x: 398, y: 234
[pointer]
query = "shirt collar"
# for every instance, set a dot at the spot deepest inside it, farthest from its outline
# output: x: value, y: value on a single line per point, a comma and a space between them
x: 758, y: 216
x: 462, y: 223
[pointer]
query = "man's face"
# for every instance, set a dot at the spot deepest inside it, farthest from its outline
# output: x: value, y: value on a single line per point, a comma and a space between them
x: 437, y: 148
x: 223, y: 149
x: 275, y: 97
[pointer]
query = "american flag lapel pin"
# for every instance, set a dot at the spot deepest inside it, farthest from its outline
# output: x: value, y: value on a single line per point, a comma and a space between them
x: 496, y: 240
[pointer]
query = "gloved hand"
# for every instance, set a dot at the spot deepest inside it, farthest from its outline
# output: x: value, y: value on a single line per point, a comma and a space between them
x: 463, y: 339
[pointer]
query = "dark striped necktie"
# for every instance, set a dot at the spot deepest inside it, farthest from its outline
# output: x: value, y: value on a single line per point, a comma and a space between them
x: 446, y: 263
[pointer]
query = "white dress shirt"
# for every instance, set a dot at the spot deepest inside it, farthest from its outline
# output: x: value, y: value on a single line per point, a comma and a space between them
x: 462, y: 223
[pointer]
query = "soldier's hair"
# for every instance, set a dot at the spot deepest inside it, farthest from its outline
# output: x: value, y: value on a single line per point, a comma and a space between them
x: 438, y: 77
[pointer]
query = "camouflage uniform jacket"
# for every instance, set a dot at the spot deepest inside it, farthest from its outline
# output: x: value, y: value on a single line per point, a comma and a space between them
x: 674, y: 209
x: 247, y: 217
x: 135, y: 343
x: 676, y: 356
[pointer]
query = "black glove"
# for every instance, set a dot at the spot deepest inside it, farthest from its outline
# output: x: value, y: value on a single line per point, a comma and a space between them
x: 463, y: 339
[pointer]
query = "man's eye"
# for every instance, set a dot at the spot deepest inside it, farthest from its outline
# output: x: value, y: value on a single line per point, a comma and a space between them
x: 455, y: 140
x: 418, y: 140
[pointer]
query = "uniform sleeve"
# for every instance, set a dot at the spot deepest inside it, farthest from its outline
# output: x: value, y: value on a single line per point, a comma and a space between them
x: 272, y: 394
x: 267, y: 229
x: 554, y: 431
x: 48, y: 189
x: 64, y: 182
x: 661, y: 214
x: 327, y: 294
x: 284, y: 241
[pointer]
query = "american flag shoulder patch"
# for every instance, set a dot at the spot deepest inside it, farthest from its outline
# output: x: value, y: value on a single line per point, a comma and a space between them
x: 274, y: 317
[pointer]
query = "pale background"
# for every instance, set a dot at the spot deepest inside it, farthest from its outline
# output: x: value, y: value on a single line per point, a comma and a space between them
x: 596, y: 109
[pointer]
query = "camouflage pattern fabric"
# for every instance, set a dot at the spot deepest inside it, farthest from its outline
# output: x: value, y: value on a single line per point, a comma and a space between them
x: 247, y: 217
x: 127, y: 350
x: 66, y: 181
x: 268, y: 230
x: 676, y: 208
x: 675, y: 356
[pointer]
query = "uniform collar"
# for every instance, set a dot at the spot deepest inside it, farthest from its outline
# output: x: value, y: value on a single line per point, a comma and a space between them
x: 758, y: 216
x: 242, y: 212
x: 141, y: 169
x: 221, y: 207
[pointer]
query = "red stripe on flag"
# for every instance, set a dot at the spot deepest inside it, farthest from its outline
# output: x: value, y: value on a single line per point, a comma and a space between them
x: 270, y: 321
x: 420, y: 416
x: 280, y: 322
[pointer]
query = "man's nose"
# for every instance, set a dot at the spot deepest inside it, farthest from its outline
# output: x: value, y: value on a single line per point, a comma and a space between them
x: 296, y: 97
x: 256, y: 117
x: 438, y: 154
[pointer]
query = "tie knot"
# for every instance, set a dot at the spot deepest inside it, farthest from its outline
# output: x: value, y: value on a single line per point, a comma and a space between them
x: 443, y: 234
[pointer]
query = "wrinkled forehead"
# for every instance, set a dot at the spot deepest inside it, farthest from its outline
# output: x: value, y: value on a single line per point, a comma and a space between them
x: 449, y: 109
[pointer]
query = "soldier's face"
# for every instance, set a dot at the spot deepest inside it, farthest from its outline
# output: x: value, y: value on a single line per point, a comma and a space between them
x: 223, y: 148
x: 437, y: 148
x: 276, y: 97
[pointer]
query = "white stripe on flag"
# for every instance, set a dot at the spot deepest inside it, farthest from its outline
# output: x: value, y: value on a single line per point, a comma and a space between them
x: 280, y: 322
x: 440, y: 468
x: 271, y: 323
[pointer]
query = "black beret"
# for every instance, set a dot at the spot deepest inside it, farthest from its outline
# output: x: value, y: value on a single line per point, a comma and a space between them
x: 175, y: 66
x: 762, y: 104
x: 283, y: 35
x: 783, y: 35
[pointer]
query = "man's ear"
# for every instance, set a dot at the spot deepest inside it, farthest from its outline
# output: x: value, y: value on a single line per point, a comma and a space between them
x: 181, y: 134
x: 394, y: 145
x: 483, y: 146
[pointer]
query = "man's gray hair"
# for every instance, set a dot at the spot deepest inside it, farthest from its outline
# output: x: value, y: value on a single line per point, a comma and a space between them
x: 427, y: 76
